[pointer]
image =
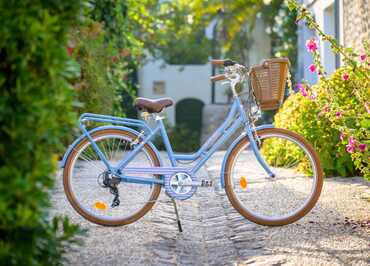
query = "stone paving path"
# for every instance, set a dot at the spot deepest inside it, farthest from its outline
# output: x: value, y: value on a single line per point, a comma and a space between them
x: 215, y: 234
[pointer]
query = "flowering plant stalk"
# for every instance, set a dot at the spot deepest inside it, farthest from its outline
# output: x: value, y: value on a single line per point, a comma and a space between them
x: 349, y: 116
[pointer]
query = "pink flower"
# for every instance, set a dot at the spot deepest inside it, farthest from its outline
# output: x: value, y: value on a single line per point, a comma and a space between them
x: 312, y: 68
x: 313, y: 96
x: 302, y: 89
x: 367, y: 107
x: 299, y: 86
x: 312, y: 45
x: 345, y: 76
x: 350, y: 148
x: 341, y: 136
x: 351, y: 141
x: 338, y: 114
x: 362, y: 146
x: 69, y: 50
x: 363, y: 57
x: 326, y: 109
x: 304, y: 92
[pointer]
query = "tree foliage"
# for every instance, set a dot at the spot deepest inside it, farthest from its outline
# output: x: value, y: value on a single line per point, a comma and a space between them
x: 107, y: 55
x: 94, y: 87
x: 237, y: 21
x: 170, y: 31
x: 35, y: 114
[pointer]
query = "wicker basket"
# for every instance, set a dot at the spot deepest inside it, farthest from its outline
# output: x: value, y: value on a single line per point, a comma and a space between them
x: 268, y: 82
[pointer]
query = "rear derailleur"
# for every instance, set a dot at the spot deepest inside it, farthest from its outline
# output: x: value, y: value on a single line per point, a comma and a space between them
x: 106, y: 180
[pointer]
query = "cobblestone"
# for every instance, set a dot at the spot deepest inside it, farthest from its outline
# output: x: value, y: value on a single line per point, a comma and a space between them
x: 215, y: 234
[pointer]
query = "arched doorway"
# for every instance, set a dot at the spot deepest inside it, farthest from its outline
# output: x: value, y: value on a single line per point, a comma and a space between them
x: 188, y: 116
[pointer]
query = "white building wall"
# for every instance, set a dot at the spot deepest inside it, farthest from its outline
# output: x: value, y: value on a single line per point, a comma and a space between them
x: 261, y: 44
x: 324, y: 13
x: 181, y: 82
x: 192, y: 81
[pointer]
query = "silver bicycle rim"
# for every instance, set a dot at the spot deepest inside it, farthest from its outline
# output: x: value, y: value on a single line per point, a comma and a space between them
x: 258, y: 200
x: 87, y: 192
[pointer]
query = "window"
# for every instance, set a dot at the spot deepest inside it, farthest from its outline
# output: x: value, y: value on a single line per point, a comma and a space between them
x: 159, y: 87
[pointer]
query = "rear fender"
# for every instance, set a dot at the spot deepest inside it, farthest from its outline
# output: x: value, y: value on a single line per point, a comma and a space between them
x: 80, y: 138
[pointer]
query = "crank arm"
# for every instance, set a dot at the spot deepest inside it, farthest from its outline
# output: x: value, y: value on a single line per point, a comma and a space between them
x: 202, y: 183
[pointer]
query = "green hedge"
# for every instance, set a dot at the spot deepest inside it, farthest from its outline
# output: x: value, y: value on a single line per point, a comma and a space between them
x: 182, y: 139
x: 94, y: 88
x: 35, y: 114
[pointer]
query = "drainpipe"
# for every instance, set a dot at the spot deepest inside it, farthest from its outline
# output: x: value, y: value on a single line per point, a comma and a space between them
x: 213, y: 88
x: 337, y: 29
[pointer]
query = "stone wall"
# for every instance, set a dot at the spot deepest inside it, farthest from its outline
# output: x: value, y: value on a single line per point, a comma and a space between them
x: 356, y: 23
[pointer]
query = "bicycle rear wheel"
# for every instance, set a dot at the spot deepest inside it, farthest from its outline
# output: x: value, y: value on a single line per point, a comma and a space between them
x: 278, y: 200
x: 84, y: 172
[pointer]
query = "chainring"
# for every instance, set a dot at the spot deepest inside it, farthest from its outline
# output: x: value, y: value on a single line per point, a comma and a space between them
x: 179, y: 186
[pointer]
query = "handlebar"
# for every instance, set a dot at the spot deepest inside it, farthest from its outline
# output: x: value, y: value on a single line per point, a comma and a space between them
x: 218, y: 77
x: 217, y: 62
x: 230, y: 67
x: 225, y: 63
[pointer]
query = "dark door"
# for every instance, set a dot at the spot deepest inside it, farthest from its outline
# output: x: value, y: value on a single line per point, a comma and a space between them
x: 189, y: 114
x: 188, y: 124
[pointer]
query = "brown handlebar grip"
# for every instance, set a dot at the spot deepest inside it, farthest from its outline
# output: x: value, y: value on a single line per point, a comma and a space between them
x: 217, y: 62
x: 218, y: 77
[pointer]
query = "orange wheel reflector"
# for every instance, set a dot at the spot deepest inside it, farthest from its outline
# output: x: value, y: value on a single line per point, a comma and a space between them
x: 101, y: 206
x: 243, y: 182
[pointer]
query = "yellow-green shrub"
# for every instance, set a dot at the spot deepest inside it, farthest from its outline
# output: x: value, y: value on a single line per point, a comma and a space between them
x: 323, y: 127
x: 344, y: 98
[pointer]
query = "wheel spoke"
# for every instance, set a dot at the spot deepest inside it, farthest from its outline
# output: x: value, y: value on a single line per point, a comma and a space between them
x: 178, y: 189
x: 84, y: 172
x: 279, y: 199
x: 91, y: 162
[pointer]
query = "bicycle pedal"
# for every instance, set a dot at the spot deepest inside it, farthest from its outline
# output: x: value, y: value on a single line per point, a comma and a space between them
x: 206, y: 183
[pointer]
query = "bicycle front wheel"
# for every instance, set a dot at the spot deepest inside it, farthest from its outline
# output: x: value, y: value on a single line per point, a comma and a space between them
x: 85, y: 174
x: 278, y: 200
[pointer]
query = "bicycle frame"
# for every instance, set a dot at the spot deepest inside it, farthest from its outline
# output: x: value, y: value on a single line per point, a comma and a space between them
x: 236, y: 118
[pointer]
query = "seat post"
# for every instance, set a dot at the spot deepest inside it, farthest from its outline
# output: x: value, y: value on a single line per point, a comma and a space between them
x: 158, y: 116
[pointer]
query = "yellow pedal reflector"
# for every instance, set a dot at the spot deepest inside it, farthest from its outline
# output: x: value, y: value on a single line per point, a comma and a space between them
x: 100, y: 205
x: 243, y: 182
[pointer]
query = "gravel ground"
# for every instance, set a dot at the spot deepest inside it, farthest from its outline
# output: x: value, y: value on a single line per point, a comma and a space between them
x: 333, y: 233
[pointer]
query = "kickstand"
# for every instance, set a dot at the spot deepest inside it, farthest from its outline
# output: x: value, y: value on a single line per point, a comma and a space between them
x: 177, y: 216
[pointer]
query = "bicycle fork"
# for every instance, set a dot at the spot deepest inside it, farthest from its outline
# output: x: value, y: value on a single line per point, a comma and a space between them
x: 252, y: 140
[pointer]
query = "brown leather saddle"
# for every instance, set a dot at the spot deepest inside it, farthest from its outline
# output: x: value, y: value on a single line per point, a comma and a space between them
x: 151, y: 105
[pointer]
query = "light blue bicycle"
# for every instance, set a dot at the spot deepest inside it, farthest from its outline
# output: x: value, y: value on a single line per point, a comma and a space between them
x: 113, y: 174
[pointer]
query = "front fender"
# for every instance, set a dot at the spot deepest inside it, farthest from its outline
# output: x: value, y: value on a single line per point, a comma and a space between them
x: 236, y: 141
x: 79, y: 139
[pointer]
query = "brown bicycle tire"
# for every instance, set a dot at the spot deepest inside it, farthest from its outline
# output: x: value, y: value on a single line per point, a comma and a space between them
x: 118, y: 222
x: 248, y: 215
